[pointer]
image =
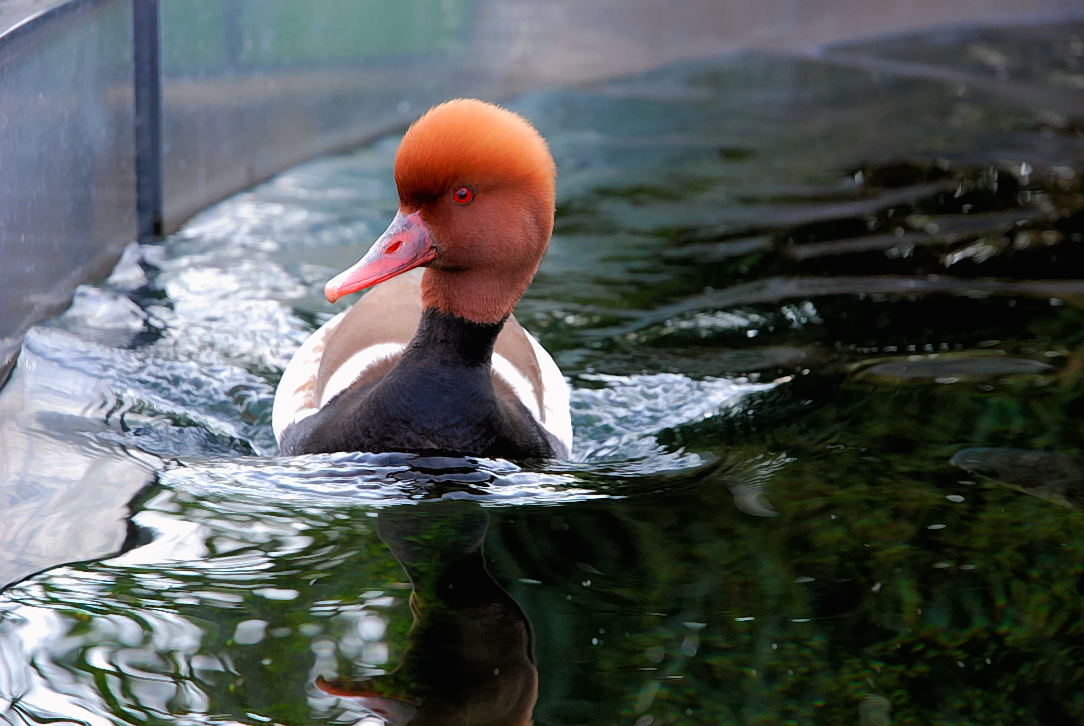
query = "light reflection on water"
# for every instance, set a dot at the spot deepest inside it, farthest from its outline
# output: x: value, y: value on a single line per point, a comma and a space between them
x: 823, y: 330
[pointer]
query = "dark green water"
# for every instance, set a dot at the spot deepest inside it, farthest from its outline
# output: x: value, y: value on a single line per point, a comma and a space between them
x: 824, y: 322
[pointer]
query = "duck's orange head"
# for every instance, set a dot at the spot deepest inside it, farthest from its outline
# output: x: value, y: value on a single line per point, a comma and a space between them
x: 476, y: 200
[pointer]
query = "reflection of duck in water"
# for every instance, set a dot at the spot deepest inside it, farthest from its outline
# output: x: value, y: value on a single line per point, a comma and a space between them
x: 469, y: 660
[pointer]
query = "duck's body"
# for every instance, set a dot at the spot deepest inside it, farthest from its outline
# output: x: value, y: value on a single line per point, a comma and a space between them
x: 386, y: 376
x: 437, y: 363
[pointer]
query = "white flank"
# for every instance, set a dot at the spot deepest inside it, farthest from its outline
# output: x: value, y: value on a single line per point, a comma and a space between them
x: 294, y: 397
x: 523, y: 389
x: 556, y: 413
x: 355, y: 365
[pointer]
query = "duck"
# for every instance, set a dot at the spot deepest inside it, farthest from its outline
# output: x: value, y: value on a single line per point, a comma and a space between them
x: 432, y: 360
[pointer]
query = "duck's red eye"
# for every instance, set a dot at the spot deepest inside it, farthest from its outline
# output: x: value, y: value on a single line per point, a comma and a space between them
x: 463, y: 195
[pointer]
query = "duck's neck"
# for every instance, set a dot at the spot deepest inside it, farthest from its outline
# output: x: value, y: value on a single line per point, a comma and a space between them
x: 450, y: 340
x: 480, y: 294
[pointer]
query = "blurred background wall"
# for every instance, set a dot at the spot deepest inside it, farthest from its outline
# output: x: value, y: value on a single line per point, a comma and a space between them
x: 249, y: 87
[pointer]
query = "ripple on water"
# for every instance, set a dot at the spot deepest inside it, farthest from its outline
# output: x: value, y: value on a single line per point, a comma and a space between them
x: 618, y: 418
x: 324, y: 481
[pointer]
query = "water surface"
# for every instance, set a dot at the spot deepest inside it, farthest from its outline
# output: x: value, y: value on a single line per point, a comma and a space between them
x: 823, y: 321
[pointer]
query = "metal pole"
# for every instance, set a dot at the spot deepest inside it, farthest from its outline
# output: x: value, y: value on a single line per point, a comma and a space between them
x: 147, y: 82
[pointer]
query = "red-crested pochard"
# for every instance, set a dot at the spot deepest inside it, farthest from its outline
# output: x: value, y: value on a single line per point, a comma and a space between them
x: 435, y: 362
